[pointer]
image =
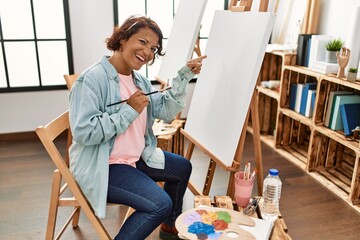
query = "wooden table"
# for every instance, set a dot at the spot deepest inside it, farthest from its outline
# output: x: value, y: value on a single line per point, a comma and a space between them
x: 169, y: 137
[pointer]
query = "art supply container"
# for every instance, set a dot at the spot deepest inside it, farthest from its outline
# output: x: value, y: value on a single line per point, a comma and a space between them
x: 243, y: 189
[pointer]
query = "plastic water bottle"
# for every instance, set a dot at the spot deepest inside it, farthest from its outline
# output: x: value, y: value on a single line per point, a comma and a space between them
x: 271, y: 195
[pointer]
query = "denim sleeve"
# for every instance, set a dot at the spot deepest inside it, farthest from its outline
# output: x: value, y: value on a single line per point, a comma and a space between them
x: 90, y: 124
x: 173, y: 101
x: 180, y: 82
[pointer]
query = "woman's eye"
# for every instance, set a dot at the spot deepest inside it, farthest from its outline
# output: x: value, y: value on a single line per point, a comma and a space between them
x: 143, y: 42
x: 154, y: 50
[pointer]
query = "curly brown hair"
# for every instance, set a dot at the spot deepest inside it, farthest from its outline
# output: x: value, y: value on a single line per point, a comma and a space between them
x: 131, y: 26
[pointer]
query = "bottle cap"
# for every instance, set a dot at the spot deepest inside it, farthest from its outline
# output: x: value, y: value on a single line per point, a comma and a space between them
x: 274, y: 172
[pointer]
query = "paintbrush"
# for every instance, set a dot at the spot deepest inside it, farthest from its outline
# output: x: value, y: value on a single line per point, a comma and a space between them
x: 146, y: 94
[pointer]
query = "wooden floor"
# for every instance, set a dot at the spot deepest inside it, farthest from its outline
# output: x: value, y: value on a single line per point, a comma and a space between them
x: 310, y: 210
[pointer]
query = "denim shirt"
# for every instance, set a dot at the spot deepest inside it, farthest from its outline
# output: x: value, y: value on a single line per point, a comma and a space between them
x: 95, y: 126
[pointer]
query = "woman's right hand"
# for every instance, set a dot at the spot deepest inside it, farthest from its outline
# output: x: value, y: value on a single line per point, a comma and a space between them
x: 196, y: 64
x: 138, y: 101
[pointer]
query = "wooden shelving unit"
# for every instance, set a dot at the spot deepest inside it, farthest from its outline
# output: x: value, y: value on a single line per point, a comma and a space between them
x: 333, y: 155
x: 329, y: 156
x: 268, y: 99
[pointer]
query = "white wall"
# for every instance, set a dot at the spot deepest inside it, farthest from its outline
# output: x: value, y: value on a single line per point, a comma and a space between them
x: 334, y: 17
x: 91, y: 22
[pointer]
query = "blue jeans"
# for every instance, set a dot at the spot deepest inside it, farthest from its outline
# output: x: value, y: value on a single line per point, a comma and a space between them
x: 137, y: 188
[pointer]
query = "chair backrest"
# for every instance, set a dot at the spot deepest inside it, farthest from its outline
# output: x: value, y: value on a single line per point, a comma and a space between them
x: 48, y: 134
x: 70, y: 80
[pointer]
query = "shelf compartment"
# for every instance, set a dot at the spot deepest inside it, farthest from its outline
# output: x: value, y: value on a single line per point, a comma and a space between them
x: 304, y: 71
x: 268, y: 108
x: 294, y: 75
x: 325, y: 86
x: 269, y: 92
x: 297, y: 116
x: 271, y: 68
x: 342, y: 81
x: 339, y: 136
x: 336, y: 163
x: 293, y: 135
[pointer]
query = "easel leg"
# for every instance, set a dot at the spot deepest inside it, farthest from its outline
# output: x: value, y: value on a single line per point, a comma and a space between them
x: 238, y: 157
x: 190, y: 150
x: 188, y: 155
x: 257, y: 142
x: 257, y: 147
x: 209, y: 177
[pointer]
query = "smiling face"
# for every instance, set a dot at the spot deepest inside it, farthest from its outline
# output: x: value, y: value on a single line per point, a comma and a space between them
x: 138, y: 50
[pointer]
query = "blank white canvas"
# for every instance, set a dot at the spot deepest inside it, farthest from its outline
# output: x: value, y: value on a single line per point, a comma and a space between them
x: 235, y: 50
x: 289, y: 12
x: 182, y: 37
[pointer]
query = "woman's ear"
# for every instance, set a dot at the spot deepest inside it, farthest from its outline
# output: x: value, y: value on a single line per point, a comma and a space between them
x: 121, y: 45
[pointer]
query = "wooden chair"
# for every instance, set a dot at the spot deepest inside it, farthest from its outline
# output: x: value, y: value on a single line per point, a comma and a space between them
x: 48, y: 135
x: 70, y: 79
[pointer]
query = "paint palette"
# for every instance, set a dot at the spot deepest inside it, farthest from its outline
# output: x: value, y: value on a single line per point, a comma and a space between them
x: 161, y: 128
x: 214, y: 223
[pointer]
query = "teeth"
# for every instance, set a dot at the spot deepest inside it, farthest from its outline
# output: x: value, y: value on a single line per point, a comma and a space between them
x: 140, y: 57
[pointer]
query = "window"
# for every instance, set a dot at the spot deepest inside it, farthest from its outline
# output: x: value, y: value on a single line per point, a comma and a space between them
x: 162, y: 12
x: 35, y: 45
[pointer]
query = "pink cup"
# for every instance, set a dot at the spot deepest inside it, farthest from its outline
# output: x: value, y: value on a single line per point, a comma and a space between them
x: 243, y: 189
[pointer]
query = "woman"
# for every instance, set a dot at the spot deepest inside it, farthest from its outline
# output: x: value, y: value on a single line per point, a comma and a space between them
x: 114, y: 156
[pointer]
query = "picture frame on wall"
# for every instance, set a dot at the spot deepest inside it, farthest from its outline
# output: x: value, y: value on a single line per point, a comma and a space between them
x: 317, y: 55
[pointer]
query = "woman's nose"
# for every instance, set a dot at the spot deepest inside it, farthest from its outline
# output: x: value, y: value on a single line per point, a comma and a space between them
x: 148, y: 53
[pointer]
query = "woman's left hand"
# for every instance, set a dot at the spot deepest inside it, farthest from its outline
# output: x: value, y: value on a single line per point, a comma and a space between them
x: 195, y: 64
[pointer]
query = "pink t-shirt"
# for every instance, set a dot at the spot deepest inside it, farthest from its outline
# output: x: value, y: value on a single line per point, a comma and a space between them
x: 129, y: 145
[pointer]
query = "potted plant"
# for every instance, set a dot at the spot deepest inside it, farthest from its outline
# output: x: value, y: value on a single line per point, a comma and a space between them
x: 352, y: 73
x: 332, y: 47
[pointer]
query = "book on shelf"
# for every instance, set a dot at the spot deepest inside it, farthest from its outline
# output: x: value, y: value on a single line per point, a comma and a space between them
x: 310, y: 102
x: 304, y: 96
x: 303, y: 41
x: 299, y: 90
x: 350, y: 116
x: 330, y: 105
x: 293, y: 89
x: 307, y: 54
x: 336, y: 121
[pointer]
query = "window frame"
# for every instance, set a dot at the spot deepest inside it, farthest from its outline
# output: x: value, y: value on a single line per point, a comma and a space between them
x: 67, y: 39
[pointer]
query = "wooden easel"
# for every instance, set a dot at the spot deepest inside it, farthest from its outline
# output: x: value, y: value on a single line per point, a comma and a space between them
x: 214, y: 161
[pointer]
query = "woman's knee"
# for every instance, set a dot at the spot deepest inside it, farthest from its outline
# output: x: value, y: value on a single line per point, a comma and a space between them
x: 185, y: 167
x: 163, y: 204
x: 188, y: 166
x: 184, y: 163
